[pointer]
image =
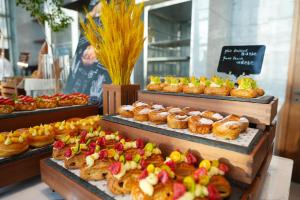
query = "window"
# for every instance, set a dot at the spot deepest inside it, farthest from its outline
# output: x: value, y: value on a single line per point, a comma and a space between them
x: 4, y: 21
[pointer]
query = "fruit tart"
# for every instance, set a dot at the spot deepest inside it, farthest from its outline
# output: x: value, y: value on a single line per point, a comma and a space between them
x: 25, y: 103
x: 61, y: 146
x: 218, y: 86
x: 79, y: 98
x: 155, y: 84
x: 6, y: 105
x: 247, y: 89
x: 64, y: 99
x: 39, y: 136
x: 194, y: 86
x: 230, y: 127
x: 13, y: 143
x: 124, y: 174
x: 172, y: 85
x: 200, y: 125
x: 45, y: 102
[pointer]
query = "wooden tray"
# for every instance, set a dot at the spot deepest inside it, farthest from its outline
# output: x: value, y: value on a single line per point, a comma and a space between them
x: 263, y: 99
x: 71, y: 186
x: 186, y: 135
x: 244, y: 167
x: 256, y: 113
x: 24, y: 166
x: 26, y: 119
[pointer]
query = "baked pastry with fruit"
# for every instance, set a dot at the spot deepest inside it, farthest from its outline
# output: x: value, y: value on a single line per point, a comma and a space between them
x: 126, y: 111
x: 177, y: 121
x: 155, y: 84
x: 90, y: 123
x: 141, y: 113
x: 158, y: 116
x: 61, y: 146
x: 194, y: 86
x: 64, y: 99
x: 230, y: 127
x: 200, y: 125
x: 212, y: 115
x: 13, y: 143
x: 65, y: 128
x: 124, y: 174
x: 25, y: 103
x: 172, y: 85
x: 45, y: 102
x: 79, y: 98
x: 218, y: 86
x: 39, y: 136
x: 6, y: 105
x: 247, y: 89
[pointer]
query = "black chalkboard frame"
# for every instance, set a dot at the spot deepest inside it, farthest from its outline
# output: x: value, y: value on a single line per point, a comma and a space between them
x: 253, y: 64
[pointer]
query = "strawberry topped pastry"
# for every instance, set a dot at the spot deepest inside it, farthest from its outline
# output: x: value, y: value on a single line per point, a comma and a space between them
x: 44, y: 102
x: 79, y: 98
x: 25, y: 103
x: 6, y: 105
x: 64, y: 99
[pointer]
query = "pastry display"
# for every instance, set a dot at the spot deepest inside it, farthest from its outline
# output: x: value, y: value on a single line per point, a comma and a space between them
x: 201, y: 125
x: 247, y: 88
x: 218, y: 86
x: 13, y: 143
x: 126, y: 111
x: 195, y: 86
x: 39, y: 136
x: 172, y: 84
x: 25, y: 103
x: 45, y: 102
x: 155, y: 84
x: 177, y: 121
x: 6, y: 105
x: 230, y: 127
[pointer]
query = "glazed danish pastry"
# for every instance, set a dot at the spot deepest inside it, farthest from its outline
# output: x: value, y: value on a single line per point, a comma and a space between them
x: 6, y: 105
x: 39, y: 136
x: 201, y: 125
x: 230, y: 127
x: 45, y: 102
x: 63, y: 129
x: 126, y: 111
x: 212, y: 115
x: 13, y: 143
x: 177, y: 121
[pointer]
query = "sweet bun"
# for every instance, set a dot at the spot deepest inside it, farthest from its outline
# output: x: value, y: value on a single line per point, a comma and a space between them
x: 45, y: 102
x: 217, y: 91
x: 96, y: 172
x: 158, y: 116
x: 244, y: 93
x: 141, y: 113
x: 140, y: 104
x: 12, y: 144
x: 192, y: 89
x: 40, y: 136
x: 155, y: 84
x: 126, y: 111
x: 194, y: 113
x: 25, y: 103
x: 175, y: 110
x: 198, y: 124
x: 173, y: 88
x: 212, y: 115
x: 6, y: 105
x: 177, y: 121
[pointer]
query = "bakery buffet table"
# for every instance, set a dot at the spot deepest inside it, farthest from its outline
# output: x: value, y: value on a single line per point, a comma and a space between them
x: 276, y: 186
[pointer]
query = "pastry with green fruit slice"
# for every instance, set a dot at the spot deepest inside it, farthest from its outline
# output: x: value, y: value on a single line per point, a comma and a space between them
x: 194, y: 86
x: 173, y: 85
x: 155, y: 84
x: 218, y: 86
x: 247, y: 89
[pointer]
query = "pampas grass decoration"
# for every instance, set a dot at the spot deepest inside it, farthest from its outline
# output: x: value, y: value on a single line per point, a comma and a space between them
x: 119, y: 41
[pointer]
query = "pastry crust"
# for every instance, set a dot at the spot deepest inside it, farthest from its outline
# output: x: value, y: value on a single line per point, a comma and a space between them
x: 173, y: 88
x: 175, y: 110
x: 193, y: 89
x: 212, y: 115
x: 97, y: 172
x: 141, y: 113
x: 126, y: 111
x: 217, y: 91
x: 158, y: 116
x: 260, y: 92
x: 230, y: 127
x: 242, y: 93
x: 177, y: 121
x: 200, y: 125
x: 58, y: 154
x: 75, y: 162
x: 140, y: 104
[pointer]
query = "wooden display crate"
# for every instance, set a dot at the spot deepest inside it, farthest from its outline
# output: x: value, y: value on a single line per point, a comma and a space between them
x: 116, y: 95
x: 25, y: 119
x: 23, y: 166
x: 257, y: 113
x: 71, y: 186
x: 244, y: 166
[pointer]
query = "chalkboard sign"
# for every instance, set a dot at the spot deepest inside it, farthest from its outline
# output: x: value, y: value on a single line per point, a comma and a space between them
x: 238, y: 60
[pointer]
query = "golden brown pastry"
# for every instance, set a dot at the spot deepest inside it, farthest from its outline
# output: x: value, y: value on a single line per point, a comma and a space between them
x: 172, y: 85
x: 175, y: 110
x: 126, y: 111
x: 230, y: 127
x: 201, y: 125
x: 177, y: 121
x: 45, y: 102
x: 39, y: 136
x: 90, y: 123
x: 194, y: 113
x: 212, y: 115
x: 6, y: 105
x: 158, y: 116
x: 155, y: 84
x: 141, y: 113
x: 79, y: 98
x: 64, y: 99
x: 194, y: 86
x: 247, y: 89
x: 140, y: 104
x: 218, y: 86
x: 13, y: 143
x: 64, y: 128
x: 25, y: 103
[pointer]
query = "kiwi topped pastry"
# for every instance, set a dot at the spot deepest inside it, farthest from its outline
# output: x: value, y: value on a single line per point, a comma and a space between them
x: 13, y: 143
x: 6, y: 105
x: 247, y: 89
x: 39, y: 136
x: 218, y: 86
x: 194, y: 86
x: 172, y: 85
x: 155, y: 84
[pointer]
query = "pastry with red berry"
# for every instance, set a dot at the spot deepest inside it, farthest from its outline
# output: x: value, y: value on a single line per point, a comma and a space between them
x: 64, y: 99
x: 45, y: 102
x: 25, y: 103
x: 80, y: 99
x: 6, y: 105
